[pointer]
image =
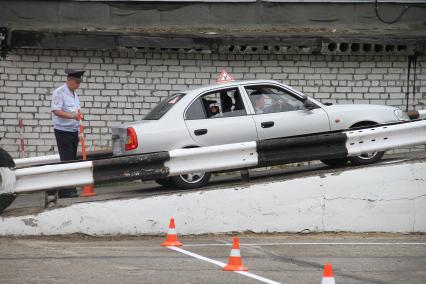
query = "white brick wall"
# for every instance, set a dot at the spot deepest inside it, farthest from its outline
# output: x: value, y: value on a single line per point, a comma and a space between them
x: 123, y: 86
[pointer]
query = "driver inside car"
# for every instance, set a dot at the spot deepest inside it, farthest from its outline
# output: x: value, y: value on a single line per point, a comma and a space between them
x: 258, y: 101
x: 260, y: 104
x: 268, y: 102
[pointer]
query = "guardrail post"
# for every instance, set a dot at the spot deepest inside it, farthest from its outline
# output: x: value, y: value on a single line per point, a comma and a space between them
x: 46, y: 199
x: 245, y: 175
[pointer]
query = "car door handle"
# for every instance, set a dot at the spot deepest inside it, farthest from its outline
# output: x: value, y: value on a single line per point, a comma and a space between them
x: 199, y: 132
x: 267, y: 124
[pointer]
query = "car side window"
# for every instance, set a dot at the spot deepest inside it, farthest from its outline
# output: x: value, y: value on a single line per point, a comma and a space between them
x: 196, y: 111
x: 217, y: 104
x: 271, y: 99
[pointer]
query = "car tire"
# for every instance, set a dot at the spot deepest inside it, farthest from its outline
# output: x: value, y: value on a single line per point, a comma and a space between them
x: 369, y: 158
x: 336, y: 162
x: 190, y: 181
x: 6, y: 161
x: 164, y: 182
x: 366, y: 159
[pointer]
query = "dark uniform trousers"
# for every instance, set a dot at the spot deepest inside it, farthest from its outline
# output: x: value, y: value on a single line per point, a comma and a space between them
x: 67, y: 146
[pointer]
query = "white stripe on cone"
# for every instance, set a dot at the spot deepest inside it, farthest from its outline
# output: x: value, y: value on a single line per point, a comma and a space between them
x: 172, y: 232
x: 328, y: 280
x: 235, y: 253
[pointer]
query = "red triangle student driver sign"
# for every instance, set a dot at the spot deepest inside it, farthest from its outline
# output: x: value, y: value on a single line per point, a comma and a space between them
x: 225, y: 77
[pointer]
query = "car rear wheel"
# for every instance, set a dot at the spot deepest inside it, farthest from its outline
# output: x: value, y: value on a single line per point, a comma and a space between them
x: 164, y: 182
x: 336, y: 162
x: 192, y: 180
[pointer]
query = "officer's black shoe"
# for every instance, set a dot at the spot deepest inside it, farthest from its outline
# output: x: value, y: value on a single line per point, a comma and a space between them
x: 68, y: 193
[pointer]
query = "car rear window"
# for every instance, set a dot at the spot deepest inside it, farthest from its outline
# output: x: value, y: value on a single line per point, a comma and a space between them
x: 163, y: 107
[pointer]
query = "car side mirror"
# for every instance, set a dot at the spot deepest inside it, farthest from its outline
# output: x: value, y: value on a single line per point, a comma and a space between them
x: 309, y: 105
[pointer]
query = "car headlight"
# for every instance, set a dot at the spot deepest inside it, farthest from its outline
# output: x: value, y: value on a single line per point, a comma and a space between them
x: 401, y: 115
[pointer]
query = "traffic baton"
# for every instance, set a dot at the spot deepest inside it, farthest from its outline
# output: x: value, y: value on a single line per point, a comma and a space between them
x: 87, y: 189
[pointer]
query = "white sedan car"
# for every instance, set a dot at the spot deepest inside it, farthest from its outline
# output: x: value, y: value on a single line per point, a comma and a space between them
x: 241, y: 111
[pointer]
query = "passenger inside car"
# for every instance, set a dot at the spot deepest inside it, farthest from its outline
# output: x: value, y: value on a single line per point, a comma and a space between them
x: 226, y: 102
x: 214, y: 109
x: 207, y: 106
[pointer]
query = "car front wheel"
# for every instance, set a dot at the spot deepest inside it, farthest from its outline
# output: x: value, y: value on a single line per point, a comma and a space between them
x: 363, y: 159
x: 366, y: 159
x: 192, y: 180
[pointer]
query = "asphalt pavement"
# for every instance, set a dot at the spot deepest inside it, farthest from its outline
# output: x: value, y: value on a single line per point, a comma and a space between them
x: 284, y: 258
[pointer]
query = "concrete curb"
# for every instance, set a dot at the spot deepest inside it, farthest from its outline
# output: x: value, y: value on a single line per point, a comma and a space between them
x: 386, y: 198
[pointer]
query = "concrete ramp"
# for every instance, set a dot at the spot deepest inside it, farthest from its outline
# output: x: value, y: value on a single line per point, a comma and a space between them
x: 382, y: 198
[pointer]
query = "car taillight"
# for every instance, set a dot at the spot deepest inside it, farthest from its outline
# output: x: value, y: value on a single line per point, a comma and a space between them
x: 131, y: 140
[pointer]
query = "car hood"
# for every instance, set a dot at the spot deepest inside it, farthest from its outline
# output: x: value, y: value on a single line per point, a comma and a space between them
x: 364, y: 107
x: 345, y: 116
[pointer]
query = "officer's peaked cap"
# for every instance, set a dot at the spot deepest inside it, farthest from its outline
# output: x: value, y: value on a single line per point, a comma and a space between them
x: 74, y: 73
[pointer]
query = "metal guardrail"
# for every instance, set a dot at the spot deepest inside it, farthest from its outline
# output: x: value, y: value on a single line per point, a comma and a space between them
x: 381, y: 138
x: 49, y: 159
x: 32, y: 161
x: 213, y: 158
x: 209, y: 159
x: 52, y: 176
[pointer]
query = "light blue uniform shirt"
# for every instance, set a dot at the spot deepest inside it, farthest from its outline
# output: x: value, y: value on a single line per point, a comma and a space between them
x: 65, y: 100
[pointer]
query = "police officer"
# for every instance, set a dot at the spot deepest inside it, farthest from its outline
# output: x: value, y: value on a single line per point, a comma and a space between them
x: 66, y: 116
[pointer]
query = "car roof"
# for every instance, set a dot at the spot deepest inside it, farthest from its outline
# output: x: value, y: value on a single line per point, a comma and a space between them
x: 229, y: 84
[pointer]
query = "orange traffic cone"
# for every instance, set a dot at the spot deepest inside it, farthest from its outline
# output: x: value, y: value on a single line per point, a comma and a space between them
x: 235, y: 262
x: 172, y: 239
x: 88, y: 191
x: 328, y: 277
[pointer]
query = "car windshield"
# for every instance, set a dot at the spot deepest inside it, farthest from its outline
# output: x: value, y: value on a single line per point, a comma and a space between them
x: 163, y: 107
